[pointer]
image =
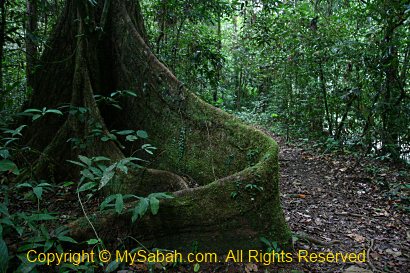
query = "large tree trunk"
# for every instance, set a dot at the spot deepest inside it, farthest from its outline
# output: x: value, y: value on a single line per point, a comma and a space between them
x: 193, y: 138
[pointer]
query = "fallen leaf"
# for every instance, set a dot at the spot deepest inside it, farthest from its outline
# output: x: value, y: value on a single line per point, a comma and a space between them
x: 356, y: 269
x: 358, y: 238
x: 251, y: 268
x: 394, y: 253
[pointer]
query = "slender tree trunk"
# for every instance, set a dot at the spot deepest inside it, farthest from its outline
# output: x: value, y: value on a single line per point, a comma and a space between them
x: 219, y: 65
x: 30, y: 38
x: 162, y: 25
x: 324, y: 94
x: 2, y: 43
x: 340, y: 127
x: 176, y: 45
x: 239, y: 90
x: 390, y: 114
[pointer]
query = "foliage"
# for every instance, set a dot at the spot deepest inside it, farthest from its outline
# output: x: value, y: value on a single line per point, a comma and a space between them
x: 324, y: 69
x: 37, y: 229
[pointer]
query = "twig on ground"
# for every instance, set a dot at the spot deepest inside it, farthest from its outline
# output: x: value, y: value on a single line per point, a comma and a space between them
x: 316, y: 241
x: 374, y: 269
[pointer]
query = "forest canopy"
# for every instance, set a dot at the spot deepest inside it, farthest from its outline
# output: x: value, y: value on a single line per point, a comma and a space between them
x: 274, y: 62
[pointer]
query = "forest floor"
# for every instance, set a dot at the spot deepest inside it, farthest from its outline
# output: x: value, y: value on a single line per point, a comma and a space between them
x: 350, y: 204
x: 339, y: 203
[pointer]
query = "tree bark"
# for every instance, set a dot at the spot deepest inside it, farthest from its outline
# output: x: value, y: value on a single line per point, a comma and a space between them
x: 193, y: 138
x: 2, y: 43
x: 30, y: 38
x: 390, y: 115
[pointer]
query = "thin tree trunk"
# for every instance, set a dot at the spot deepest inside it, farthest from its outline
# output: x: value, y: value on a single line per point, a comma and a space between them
x: 31, y: 44
x: 239, y: 89
x: 339, y: 128
x: 162, y: 24
x: 176, y: 46
x: 390, y: 114
x: 324, y: 94
x: 2, y: 43
x: 219, y: 66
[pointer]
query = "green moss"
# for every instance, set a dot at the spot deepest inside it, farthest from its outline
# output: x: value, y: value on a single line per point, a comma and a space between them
x: 218, y: 151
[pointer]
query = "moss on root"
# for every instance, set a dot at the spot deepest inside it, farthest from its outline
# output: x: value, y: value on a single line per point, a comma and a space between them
x: 196, y: 140
x: 210, y: 215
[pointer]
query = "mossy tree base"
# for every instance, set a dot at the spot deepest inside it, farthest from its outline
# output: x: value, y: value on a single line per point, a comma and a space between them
x: 234, y: 166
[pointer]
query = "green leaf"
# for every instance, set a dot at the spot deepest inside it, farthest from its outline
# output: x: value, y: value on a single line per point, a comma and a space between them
x: 54, y: 111
x: 86, y: 186
x: 125, y: 132
x: 107, y: 176
x: 93, y: 241
x: 41, y: 217
x: 154, y: 203
x: 130, y: 93
x: 108, y: 137
x: 4, y: 256
x: 105, y: 138
x: 107, y: 200
x: 25, y: 266
x: 140, y: 209
x: 44, y: 184
x: 32, y: 111
x: 86, y: 173
x: 19, y: 230
x: 85, y: 159
x: 4, y: 153
x: 131, y: 138
x: 77, y: 163
x: 28, y: 246
x: 48, y: 244
x: 6, y: 221
x: 101, y: 158
x: 265, y: 241
x: 123, y: 168
x: 119, y: 203
x: 97, y: 172
x: 196, y: 267
x: 142, y: 134
x: 160, y: 195
x: 9, y: 166
x: 9, y: 140
x: 68, y: 183
x: 68, y: 239
x: 38, y: 191
x: 112, y: 266
x: 4, y: 209
x: 24, y: 185
x: 37, y: 116
x: 148, y: 148
x: 15, y: 132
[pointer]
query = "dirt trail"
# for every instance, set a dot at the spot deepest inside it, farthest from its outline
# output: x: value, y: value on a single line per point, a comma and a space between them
x: 332, y: 198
